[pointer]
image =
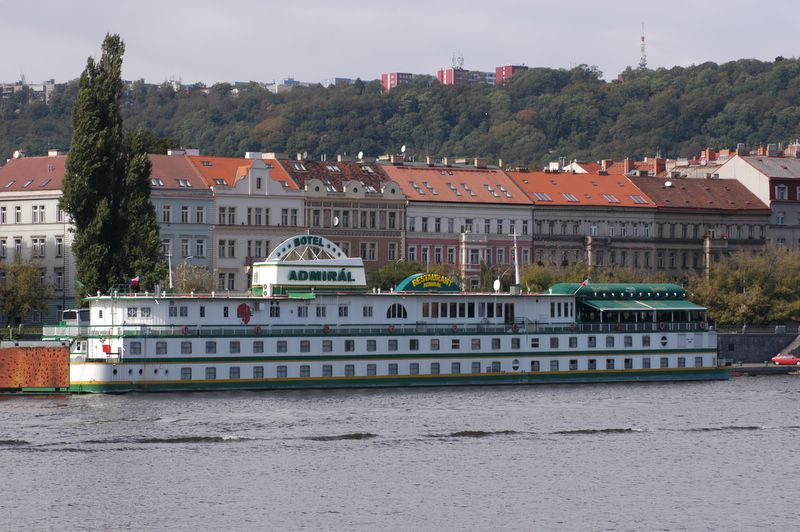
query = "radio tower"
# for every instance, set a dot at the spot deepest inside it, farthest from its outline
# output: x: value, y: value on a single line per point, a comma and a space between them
x: 643, y: 57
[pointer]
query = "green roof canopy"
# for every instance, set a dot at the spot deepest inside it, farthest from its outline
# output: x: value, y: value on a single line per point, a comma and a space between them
x: 647, y: 305
x: 660, y: 291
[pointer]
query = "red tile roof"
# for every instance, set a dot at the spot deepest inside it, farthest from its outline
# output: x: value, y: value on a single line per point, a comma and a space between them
x: 700, y: 194
x: 231, y: 169
x: 545, y: 188
x: 44, y: 173
x: 168, y: 169
x: 335, y: 173
x: 456, y: 184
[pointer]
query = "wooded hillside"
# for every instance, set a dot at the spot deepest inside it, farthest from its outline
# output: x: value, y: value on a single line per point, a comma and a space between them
x: 538, y: 116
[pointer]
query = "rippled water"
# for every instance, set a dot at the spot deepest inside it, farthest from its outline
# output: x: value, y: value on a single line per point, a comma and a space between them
x: 680, y: 456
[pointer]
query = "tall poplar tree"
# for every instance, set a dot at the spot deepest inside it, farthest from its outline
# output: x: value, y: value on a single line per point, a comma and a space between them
x: 106, y: 186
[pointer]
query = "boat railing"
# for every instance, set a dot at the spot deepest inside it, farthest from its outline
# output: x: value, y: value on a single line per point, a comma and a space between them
x: 437, y: 329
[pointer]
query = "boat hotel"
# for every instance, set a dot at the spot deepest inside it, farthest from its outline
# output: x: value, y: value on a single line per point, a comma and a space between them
x: 309, y: 321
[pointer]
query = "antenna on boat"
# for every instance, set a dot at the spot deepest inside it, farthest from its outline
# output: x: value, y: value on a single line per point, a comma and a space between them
x: 516, y: 262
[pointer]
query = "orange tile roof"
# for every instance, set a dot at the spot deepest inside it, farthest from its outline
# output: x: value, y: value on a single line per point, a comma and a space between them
x: 456, y: 184
x: 564, y: 189
x: 231, y: 169
x: 44, y: 173
x: 170, y: 168
x: 700, y: 194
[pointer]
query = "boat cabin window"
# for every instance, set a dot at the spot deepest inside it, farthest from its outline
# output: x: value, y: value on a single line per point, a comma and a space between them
x: 77, y: 316
x: 398, y: 311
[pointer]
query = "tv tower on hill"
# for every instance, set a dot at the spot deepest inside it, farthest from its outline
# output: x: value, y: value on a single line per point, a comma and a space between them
x: 643, y: 57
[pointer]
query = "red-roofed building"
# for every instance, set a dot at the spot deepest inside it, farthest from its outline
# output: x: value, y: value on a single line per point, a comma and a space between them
x: 699, y: 220
x: 256, y: 207
x: 354, y: 204
x: 459, y: 216
x: 601, y: 219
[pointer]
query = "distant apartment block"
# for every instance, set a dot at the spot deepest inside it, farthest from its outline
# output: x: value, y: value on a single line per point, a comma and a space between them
x: 39, y: 91
x: 390, y: 80
x: 504, y: 73
x: 459, y: 76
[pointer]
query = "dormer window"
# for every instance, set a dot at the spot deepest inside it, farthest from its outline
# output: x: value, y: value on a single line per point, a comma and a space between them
x: 781, y: 192
x: 299, y: 167
x: 220, y: 182
x: 206, y: 163
x: 333, y: 168
x: 156, y: 182
x: 10, y: 184
x: 27, y: 183
x: 184, y: 183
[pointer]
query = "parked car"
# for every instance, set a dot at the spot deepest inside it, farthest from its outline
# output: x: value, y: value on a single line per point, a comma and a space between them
x: 785, y: 359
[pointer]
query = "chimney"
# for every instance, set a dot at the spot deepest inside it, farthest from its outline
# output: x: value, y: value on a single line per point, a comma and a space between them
x: 741, y: 149
x: 398, y: 159
x: 772, y: 150
x: 446, y: 161
x: 252, y: 155
x: 707, y: 154
x: 343, y: 158
x: 500, y: 163
x: 176, y: 152
x: 627, y: 166
x: 54, y: 153
x: 299, y: 156
x: 274, y: 155
x: 659, y: 166
x: 429, y: 160
x: 193, y: 152
x: 479, y: 162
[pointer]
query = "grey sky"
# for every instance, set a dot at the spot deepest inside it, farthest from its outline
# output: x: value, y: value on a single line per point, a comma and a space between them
x: 310, y: 40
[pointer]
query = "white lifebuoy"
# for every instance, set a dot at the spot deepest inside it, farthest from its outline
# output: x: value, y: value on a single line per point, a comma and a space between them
x: 514, y: 328
x: 326, y: 329
x: 185, y: 330
x: 571, y: 327
x: 391, y: 328
x: 258, y: 329
x: 454, y: 328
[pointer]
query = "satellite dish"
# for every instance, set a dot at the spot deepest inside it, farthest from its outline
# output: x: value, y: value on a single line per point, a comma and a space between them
x: 496, y: 285
x: 336, y: 221
x: 403, y: 148
x: 305, y: 155
x: 360, y: 155
x: 668, y: 184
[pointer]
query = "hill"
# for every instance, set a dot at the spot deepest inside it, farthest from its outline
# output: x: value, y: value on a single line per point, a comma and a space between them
x: 539, y: 115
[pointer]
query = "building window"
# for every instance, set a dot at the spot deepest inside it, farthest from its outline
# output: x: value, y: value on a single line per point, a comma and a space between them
x: 372, y: 345
x: 186, y: 348
x: 393, y: 368
x: 327, y: 346
x: 367, y: 311
x: 681, y: 362
x: 166, y: 214
x: 321, y: 311
x: 413, y: 368
x: 235, y: 347
x: 327, y: 370
x: 645, y: 341
x: 495, y: 344
x: 434, y: 344
x: 554, y: 365
x: 349, y: 345
x: 698, y: 362
x: 554, y: 340
x: 455, y: 344
x: 305, y: 346
x: 372, y: 370
x: 592, y: 364
x: 282, y: 346
x: 646, y: 363
x: 476, y: 344
x: 186, y: 374
x: 136, y: 348
x: 282, y: 372
x: 435, y: 368
x: 234, y: 372
x: 609, y: 341
x: 515, y: 343
x: 258, y: 346
x: 393, y: 345
x: 211, y: 348
x: 609, y: 363
x: 305, y: 370
x: 211, y: 374
x: 413, y: 344
x: 343, y: 310
x: 258, y: 372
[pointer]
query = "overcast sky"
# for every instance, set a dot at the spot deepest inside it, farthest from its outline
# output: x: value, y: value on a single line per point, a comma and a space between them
x: 311, y: 40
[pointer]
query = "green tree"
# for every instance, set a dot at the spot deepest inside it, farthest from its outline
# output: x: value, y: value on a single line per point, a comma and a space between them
x: 192, y: 278
x: 22, y: 292
x: 387, y: 277
x: 106, y: 190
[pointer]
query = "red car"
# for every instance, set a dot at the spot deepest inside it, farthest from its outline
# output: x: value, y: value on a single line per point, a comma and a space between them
x: 785, y: 359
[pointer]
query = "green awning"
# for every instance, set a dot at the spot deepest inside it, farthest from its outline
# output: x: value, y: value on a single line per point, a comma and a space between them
x: 649, y: 304
x: 677, y: 304
x: 301, y: 295
x: 616, y: 304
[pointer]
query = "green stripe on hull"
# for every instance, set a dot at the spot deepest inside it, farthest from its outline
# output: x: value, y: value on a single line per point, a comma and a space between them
x: 416, y: 380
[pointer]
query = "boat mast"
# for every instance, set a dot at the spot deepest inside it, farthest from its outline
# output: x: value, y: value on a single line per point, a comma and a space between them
x: 516, y: 262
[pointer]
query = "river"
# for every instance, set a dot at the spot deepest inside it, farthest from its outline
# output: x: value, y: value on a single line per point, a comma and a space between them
x: 663, y: 456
